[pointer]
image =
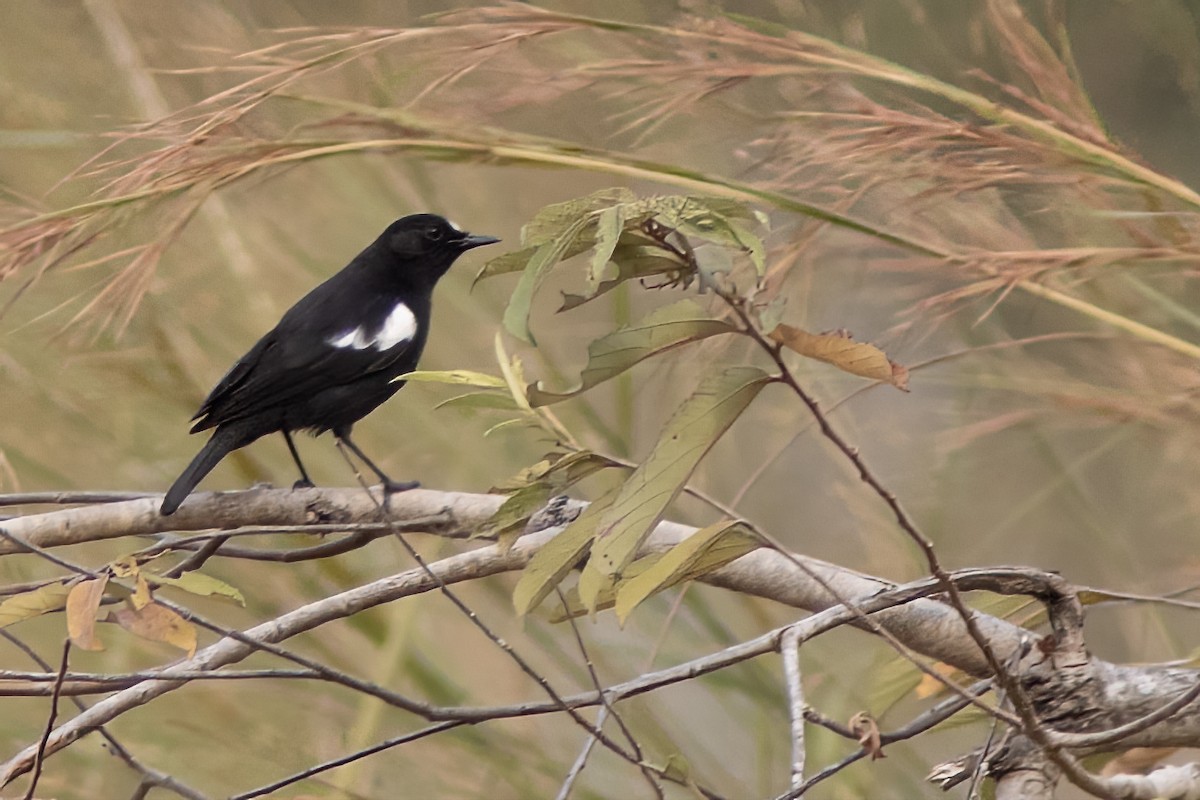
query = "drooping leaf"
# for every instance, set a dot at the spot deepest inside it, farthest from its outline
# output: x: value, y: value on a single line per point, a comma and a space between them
x: 663, y: 329
x: 198, y: 583
x: 472, y: 402
x: 607, y: 598
x: 34, y: 603
x: 704, y: 551
x: 514, y: 261
x: 609, y: 226
x: 142, y: 596
x: 510, y: 423
x: 838, y: 349
x: 559, y: 468
x: 635, y: 259
x: 557, y: 557
x: 516, y: 316
x: 82, y: 604
x: 157, y: 623
x: 460, y: 377
x: 593, y: 586
x: 770, y: 315
x: 719, y: 399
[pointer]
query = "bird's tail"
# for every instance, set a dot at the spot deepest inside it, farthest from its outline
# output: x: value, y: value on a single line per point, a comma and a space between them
x: 223, y: 441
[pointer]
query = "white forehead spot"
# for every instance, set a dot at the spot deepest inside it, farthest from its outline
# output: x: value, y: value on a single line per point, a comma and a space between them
x: 400, y: 326
x: 455, y: 226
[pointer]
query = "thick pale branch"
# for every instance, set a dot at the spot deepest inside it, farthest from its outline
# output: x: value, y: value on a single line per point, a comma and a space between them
x: 1113, y: 694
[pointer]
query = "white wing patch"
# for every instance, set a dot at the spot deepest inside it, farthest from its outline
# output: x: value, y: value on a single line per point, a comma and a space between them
x: 399, y: 326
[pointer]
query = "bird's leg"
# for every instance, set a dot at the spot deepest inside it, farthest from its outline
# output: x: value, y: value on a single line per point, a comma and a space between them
x: 389, y: 485
x: 305, y: 482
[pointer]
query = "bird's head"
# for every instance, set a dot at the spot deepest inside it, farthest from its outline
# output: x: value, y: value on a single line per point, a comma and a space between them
x: 428, y: 243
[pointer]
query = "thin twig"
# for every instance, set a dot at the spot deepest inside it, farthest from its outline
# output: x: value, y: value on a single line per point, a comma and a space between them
x: 607, y: 707
x: 581, y: 760
x: 474, y: 618
x: 39, y: 759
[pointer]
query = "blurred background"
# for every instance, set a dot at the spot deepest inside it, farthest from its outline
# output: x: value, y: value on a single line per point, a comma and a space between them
x: 1036, y: 434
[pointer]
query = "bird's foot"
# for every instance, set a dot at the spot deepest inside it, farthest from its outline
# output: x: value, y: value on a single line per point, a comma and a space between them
x: 395, y: 487
x: 303, y: 484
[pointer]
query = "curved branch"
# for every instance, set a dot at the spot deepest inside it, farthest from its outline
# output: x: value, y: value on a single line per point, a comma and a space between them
x: 1112, y: 694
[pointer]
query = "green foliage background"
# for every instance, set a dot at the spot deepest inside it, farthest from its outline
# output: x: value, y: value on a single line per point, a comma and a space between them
x: 1075, y: 452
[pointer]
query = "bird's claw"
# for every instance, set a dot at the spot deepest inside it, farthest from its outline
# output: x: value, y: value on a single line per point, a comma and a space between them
x: 302, y: 484
x: 395, y: 487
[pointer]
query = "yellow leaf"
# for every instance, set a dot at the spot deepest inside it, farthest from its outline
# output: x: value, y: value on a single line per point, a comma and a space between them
x: 157, y: 623
x: 593, y: 585
x: 838, y: 349
x: 572, y: 606
x: 34, y: 603
x: 82, y: 604
x: 459, y: 377
x: 200, y: 584
x: 685, y: 439
x: 702, y: 552
x: 557, y: 557
x: 141, y: 593
x: 125, y: 567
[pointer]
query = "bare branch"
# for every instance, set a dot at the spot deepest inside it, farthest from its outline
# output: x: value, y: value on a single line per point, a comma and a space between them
x: 789, y: 647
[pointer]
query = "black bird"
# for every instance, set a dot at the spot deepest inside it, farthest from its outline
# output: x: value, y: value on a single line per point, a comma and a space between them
x: 330, y: 361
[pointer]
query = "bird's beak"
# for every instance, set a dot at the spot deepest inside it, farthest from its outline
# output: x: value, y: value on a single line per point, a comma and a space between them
x: 470, y: 241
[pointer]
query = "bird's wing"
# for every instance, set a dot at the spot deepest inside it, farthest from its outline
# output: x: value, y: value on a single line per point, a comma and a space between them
x: 291, y: 362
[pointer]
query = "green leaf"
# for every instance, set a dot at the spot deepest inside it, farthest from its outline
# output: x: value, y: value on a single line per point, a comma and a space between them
x: 199, y: 584
x: 729, y: 233
x: 514, y: 261
x: 644, y: 497
x: 509, y: 423
x: 461, y: 377
x: 609, y: 226
x: 557, y: 557
x: 704, y: 551
x: 476, y: 401
x: 516, y: 509
x: 554, y: 220
x: 634, y: 261
x: 34, y: 603
x: 516, y: 316
x: 663, y: 329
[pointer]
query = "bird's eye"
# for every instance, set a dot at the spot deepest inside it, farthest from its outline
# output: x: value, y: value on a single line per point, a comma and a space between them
x: 434, y: 234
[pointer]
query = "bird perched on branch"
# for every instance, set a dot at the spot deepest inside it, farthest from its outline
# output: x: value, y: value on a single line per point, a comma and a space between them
x: 333, y: 356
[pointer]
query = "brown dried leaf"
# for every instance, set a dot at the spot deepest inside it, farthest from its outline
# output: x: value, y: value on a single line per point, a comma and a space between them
x: 866, y: 729
x: 838, y: 349
x: 82, y: 604
x: 157, y: 623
